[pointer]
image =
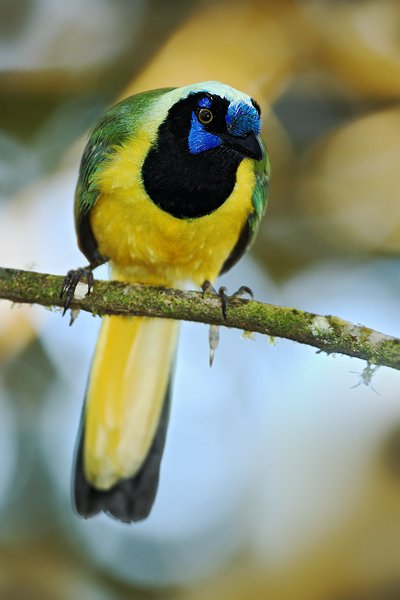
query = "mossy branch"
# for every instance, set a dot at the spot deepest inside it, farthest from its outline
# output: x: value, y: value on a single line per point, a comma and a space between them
x: 328, y: 333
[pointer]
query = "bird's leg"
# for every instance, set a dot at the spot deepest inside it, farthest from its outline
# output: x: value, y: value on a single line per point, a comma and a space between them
x: 213, y: 334
x: 74, y: 276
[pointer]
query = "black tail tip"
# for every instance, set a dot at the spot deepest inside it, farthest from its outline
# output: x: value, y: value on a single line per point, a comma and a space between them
x: 122, y: 502
x: 131, y: 499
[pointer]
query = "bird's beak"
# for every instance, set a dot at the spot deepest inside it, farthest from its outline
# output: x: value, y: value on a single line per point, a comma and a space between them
x: 249, y: 145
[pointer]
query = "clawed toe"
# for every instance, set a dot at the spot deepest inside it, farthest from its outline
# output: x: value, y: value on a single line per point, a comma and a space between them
x: 243, y: 291
x: 208, y: 287
x: 71, y: 280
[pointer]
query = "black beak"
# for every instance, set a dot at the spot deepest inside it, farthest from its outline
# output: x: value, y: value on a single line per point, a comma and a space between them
x: 249, y: 145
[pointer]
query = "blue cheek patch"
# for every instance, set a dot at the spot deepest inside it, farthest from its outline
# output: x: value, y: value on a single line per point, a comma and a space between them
x: 199, y: 139
x: 242, y: 119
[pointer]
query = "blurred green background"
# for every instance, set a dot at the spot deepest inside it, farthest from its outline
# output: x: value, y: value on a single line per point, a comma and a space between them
x: 281, y: 477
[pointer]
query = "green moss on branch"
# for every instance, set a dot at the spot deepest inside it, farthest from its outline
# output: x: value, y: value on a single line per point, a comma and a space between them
x: 328, y: 333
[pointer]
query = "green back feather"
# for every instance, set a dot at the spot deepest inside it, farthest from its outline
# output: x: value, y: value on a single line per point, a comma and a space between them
x: 118, y: 124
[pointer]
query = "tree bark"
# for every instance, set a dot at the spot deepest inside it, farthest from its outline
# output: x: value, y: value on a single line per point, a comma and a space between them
x: 327, y: 333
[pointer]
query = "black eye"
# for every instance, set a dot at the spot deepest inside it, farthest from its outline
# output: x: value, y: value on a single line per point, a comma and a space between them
x: 205, y: 116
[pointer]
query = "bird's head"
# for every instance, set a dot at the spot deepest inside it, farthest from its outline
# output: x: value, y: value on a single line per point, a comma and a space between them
x: 213, y: 115
x: 205, y: 132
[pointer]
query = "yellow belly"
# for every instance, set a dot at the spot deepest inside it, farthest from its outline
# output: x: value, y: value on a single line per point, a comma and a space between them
x: 147, y: 245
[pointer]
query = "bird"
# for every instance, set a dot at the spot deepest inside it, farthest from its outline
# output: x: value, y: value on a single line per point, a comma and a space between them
x: 172, y: 187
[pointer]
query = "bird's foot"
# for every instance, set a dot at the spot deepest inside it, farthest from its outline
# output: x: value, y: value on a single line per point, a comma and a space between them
x: 213, y: 334
x: 208, y: 288
x: 243, y: 291
x: 71, y: 280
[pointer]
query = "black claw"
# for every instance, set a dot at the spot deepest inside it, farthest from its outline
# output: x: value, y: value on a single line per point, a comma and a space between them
x: 208, y: 287
x: 90, y: 280
x: 243, y: 290
x: 224, y: 300
x: 70, y: 282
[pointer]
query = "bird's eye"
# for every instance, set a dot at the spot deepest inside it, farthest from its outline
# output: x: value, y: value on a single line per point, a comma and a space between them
x: 205, y: 116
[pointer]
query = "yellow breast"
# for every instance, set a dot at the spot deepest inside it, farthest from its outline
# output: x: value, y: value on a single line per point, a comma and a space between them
x: 148, y: 245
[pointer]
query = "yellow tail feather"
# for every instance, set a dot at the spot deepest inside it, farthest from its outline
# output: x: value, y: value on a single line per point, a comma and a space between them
x: 127, y: 386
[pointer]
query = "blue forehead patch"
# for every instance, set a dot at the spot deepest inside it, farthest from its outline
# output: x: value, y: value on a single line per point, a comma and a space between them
x: 242, y: 118
x: 205, y: 102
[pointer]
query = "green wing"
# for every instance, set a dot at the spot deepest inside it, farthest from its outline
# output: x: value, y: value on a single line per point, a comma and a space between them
x: 259, y: 202
x: 260, y: 193
x: 118, y: 124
